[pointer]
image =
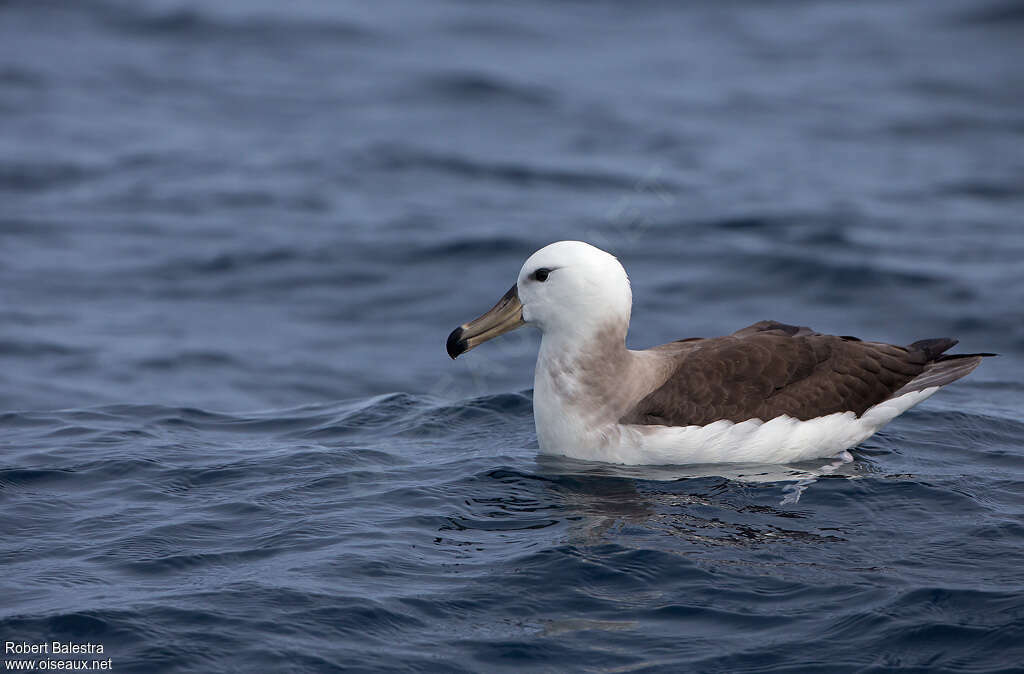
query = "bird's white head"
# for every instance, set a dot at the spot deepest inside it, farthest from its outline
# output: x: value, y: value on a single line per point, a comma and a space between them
x: 572, y: 287
x: 568, y: 289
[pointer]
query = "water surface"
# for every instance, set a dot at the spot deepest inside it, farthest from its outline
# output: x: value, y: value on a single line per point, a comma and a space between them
x: 234, y: 236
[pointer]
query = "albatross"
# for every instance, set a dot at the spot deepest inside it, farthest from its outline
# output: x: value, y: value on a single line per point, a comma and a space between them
x: 769, y: 393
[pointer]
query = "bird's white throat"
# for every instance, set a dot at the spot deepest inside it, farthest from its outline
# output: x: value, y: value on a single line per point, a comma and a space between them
x: 583, y: 386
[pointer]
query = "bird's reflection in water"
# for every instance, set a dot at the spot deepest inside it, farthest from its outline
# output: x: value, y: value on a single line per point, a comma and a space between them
x: 710, y: 505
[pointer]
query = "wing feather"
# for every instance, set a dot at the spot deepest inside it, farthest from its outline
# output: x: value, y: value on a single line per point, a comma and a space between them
x: 771, y: 369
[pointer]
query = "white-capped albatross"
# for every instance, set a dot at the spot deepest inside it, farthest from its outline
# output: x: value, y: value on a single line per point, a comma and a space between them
x: 769, y: 393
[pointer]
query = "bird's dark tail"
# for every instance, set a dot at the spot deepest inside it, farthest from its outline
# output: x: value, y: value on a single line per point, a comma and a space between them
x: 941, y: 369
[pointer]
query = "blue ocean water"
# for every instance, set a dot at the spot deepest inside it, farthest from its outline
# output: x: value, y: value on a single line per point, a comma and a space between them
x: 234, y: 236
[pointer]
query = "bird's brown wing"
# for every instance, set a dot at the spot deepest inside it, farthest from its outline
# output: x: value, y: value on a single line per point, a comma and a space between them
x: 771, y: 369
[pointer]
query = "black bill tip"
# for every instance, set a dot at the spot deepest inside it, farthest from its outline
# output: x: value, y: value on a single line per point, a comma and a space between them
x: 456, y: 344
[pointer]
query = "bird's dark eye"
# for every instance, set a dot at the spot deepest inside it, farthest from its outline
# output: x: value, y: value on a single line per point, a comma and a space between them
x: 541, y: 274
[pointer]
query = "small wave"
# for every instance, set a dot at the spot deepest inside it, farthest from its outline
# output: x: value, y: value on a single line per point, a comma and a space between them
x: 777, y: 272
x: 177, y: 563
x: 376, y: 414
x: 319, y: 265
x: 1005, y: 13
x: 32, y: 176
x: 387, y: 415
x: 828, y: 229
x: 23, y: 477
x: 480, y: 88
x: 190, y: 359
x: 203, y: 199
x: 79, y: 624
x: 403, y: 414
x: 28, y: 420
x: 263, y: 29
x: 477, y: 416
x: 231, y: 261
x: 466, y: 247
x: 20, y: 77
x: 998, y: 435
x: 937, y: 127
x: 800, y: 270
x: 389, y: 157
x: 984, y: 191
x: 351, y: 617
x: 977, y: 627
x: 25, y: 348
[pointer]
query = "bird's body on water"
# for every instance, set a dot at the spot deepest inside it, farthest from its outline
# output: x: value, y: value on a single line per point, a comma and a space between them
x: 769, y: 393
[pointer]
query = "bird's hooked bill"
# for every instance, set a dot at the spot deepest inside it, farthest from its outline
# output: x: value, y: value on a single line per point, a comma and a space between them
x: 503, y: 317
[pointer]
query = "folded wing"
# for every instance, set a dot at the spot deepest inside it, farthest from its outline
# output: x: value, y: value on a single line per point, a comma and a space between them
x: 771, y: 369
